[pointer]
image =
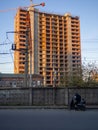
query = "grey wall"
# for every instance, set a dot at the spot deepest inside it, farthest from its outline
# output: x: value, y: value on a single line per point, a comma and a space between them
x: 89, y: 94
x: 46, y: 96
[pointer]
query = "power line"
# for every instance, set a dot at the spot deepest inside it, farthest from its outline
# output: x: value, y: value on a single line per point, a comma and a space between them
x: 90, y: 39
x: 6, y: 63
x: 4, y: 44
x: 4, y: 53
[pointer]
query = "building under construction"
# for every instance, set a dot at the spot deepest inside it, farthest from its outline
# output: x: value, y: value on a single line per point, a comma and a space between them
x: 52, y: 42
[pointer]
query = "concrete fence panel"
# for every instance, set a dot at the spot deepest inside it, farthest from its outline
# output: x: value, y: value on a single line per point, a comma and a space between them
x: 46, y: 96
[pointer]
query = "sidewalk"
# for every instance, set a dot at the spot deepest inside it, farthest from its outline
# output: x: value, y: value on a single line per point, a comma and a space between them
x: 43, y: 107
x: 33, y: 107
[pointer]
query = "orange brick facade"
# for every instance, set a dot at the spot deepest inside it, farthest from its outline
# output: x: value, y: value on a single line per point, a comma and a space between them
x: 54, y: 44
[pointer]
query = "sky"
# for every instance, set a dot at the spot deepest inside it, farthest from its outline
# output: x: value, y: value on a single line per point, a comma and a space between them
x: 87, y: 10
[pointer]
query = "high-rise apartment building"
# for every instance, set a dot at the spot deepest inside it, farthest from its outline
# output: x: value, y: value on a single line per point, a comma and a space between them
x: 54, y: 48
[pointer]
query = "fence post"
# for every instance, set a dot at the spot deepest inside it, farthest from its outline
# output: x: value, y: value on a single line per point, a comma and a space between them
x: 68, y: 97
x: 30, y: 96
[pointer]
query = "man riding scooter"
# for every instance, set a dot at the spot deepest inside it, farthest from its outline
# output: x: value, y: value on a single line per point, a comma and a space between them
x: 77, y: 103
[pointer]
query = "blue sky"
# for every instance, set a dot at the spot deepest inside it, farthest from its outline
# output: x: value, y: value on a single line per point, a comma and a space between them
x: 86, y: 9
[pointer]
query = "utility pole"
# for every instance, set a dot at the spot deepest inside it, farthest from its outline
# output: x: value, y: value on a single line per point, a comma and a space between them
x: 26, y: 54
x: 26, y: 59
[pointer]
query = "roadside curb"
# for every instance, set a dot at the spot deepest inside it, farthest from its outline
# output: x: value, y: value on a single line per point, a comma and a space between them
x: 43, y: 107
x: 33, y: 107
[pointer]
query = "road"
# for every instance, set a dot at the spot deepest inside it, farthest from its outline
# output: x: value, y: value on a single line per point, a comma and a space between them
x: 48, y: 119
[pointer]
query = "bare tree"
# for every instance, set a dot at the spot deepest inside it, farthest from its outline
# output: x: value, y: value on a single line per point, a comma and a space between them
x: 84, y: 76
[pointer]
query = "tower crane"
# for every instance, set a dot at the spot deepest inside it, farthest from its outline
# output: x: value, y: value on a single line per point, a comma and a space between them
x: 23, y: 7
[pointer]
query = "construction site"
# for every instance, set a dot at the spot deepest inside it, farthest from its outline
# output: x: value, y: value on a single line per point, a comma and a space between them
x: 47, y: 44
x: 53, y: 44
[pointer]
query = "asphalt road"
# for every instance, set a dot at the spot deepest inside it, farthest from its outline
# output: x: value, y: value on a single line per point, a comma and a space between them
x: 48, y: 119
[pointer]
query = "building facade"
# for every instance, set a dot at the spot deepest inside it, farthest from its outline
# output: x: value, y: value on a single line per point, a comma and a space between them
x: 17, y: 80
x: 54, y: 47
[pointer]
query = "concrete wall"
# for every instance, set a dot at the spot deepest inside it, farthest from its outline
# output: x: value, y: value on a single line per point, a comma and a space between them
x: 14, y: 96
x: 46, y: 96
x: 89, y: 94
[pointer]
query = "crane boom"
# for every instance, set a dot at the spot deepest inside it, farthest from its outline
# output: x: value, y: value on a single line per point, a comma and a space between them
x: 25, y: 7
x: 6, y: 10
x: 10, y: 9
